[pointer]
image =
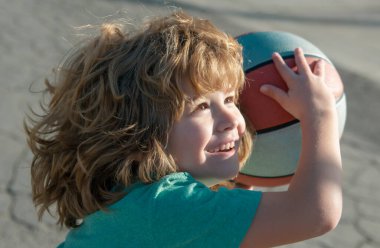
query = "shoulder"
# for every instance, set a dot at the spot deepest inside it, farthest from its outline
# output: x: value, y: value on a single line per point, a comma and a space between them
x: 178, y: 183
x: 183, y: 187
x: 180, y: 192
x: 192, y: 211
x: 177, y: 179
x: 173, y: 185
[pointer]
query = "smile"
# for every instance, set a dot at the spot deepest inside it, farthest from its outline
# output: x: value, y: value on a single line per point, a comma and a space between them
x: 223, y: 148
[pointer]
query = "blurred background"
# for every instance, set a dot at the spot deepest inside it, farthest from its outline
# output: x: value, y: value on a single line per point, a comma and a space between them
x: 34, y: 35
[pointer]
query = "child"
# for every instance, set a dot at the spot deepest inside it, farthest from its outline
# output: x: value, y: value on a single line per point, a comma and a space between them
x: 141, y: 124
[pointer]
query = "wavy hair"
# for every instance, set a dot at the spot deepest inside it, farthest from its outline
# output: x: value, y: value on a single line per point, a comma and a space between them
x: 113, y: 102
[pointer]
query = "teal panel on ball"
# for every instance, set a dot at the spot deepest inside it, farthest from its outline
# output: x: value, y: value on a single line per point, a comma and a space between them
x: 258, y: 47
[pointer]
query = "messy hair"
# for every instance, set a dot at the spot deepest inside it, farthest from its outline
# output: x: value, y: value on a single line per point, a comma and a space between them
x: 113, y: 102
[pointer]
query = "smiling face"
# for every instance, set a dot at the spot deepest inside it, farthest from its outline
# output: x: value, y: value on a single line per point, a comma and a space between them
x: 206, y: 138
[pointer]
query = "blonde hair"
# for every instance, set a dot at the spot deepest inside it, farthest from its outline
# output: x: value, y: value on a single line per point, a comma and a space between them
x: 113, y: 103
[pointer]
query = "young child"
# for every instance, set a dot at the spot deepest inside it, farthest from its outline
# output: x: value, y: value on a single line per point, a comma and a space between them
x: 141, y: 124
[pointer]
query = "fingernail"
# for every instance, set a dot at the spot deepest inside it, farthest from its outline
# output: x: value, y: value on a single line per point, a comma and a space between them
x: 264, y: 88
x: 276, y: 55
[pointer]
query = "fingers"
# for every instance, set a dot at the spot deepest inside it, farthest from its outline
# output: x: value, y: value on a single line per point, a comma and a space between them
x: 302, y: 65
x: 282, y: 68
x: 301, y: 62
x: 274, y: 92
x: 319, y: 69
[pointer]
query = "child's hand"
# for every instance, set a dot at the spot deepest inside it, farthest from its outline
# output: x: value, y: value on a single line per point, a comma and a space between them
x: 312, y: 205
x: 308, y: 96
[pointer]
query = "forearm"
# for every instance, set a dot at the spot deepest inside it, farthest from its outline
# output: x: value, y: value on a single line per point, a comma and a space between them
x: 318, y: 177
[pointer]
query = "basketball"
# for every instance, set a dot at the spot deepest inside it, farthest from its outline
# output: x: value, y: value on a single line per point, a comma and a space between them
x: 277, y: 143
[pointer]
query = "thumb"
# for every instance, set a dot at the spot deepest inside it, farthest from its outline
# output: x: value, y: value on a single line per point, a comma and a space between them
x: 274, y: 92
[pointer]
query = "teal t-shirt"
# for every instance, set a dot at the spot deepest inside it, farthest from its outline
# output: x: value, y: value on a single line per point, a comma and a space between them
x: 176, y: 211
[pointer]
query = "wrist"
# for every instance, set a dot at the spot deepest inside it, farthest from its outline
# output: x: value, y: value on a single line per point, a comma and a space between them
x: 326, y: 118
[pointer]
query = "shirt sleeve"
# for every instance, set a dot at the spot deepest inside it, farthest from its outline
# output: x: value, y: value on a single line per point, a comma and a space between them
x: 186, y: 213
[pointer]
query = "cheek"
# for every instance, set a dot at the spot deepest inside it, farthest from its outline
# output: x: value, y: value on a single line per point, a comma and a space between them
x: 188, y: 139
x: 195, y: 135
x: 241, y: 123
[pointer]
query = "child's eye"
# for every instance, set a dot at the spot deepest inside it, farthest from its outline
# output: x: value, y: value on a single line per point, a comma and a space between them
x: 202, y: 106
x: 230, y: 99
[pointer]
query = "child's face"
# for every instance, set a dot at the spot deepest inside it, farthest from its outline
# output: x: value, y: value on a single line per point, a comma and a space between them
x: 205, y: 140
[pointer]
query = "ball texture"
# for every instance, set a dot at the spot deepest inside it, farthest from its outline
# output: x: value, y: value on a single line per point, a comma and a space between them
x: 277, y: 142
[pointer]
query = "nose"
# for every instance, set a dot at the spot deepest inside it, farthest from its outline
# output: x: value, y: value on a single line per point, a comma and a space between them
x: 228, y: 119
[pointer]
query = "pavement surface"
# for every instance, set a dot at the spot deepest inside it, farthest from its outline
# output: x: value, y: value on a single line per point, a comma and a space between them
x: 34, y: 34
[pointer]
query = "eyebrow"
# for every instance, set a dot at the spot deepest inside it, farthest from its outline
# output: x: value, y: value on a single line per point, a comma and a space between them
x: 194, y: 100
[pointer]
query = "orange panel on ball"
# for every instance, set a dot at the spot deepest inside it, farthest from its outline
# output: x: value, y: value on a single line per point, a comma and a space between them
x: 263, y: 181
x: 262, y: 111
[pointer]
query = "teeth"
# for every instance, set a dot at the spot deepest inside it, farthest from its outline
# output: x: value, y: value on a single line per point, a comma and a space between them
x: 223, y: 147
x: 228, y: 146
